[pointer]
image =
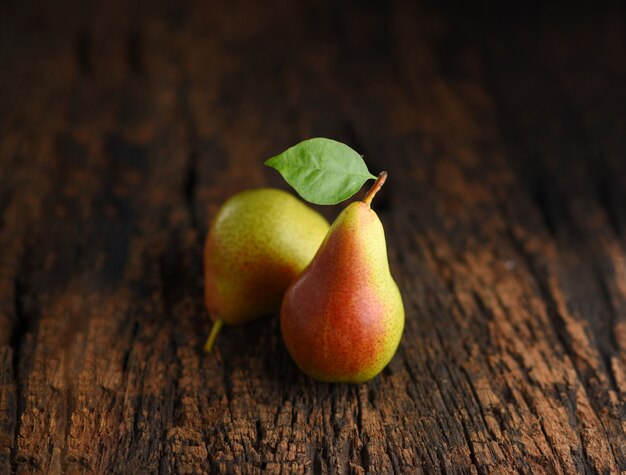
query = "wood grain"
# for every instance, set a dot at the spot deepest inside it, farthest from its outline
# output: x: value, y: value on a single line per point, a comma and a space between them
x: 123, y: 126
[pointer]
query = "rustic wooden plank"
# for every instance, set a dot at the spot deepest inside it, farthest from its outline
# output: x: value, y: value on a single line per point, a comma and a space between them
x: 505, y: 217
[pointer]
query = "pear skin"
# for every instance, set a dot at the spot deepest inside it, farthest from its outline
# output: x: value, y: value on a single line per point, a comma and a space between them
x: 343, y: 317
x: 258, y: 243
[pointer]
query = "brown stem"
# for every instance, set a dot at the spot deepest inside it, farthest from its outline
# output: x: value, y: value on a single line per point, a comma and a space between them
x: 378, y: 184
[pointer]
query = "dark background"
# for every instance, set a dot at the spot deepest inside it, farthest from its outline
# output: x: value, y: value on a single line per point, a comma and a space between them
x: 124, y: 126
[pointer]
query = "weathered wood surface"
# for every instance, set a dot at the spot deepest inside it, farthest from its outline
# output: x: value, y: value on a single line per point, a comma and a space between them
x: 503, y: 129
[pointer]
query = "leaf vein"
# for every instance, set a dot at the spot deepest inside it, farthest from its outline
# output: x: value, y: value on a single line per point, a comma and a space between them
x: 336, y: 172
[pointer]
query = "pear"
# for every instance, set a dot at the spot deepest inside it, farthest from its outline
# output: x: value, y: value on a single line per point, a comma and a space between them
x: 257, y: 244
x: 342, y: 318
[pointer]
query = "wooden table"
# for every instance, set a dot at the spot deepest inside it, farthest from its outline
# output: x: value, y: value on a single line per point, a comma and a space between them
x: 124, y: 126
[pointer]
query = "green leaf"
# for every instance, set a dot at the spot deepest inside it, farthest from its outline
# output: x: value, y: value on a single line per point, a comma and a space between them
x: 322, y: 171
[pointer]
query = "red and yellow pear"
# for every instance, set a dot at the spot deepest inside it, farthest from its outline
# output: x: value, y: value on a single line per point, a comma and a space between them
x: 342, y: 318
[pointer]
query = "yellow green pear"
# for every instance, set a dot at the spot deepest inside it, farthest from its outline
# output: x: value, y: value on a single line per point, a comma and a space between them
x: 342, y: 318
x: 257, y: 244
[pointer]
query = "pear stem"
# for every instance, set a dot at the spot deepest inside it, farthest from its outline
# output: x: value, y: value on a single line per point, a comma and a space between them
x: 378, y: 184
x: 215, y: 329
